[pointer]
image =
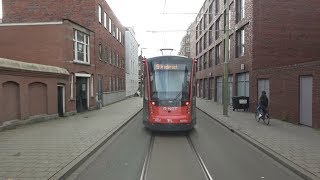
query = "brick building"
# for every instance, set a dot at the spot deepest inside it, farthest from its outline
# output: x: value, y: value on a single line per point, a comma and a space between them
x: 84, y: 38
x: 273, y: 47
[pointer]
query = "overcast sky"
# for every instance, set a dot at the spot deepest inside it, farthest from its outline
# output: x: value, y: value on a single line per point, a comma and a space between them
x: 146, y: 15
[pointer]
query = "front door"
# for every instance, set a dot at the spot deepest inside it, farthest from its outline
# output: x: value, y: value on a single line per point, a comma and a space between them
x: 82, y: 94
x: 60, y: 101
x: 306, y: 100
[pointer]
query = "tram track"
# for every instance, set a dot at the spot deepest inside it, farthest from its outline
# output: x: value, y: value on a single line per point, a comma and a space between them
x: 145, y: 173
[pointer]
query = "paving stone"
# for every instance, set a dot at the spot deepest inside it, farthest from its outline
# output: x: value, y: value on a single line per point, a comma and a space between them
x: 53, y: 144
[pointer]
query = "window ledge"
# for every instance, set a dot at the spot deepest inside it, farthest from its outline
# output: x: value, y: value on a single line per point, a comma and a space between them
x: 80, y: 62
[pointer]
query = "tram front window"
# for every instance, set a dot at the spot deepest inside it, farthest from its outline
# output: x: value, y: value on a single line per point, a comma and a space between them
x: 170, y: 84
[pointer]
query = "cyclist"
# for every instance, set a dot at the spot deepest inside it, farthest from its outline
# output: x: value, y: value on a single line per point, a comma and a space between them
x: 263, y: 104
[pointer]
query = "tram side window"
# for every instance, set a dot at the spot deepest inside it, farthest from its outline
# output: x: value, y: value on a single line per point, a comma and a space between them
x: 145, y: 87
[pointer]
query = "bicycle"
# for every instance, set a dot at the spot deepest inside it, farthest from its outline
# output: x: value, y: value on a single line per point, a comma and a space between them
x: 266, y: 118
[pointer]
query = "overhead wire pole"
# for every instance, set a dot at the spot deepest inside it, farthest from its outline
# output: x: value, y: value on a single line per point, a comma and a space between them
x: 226, y: 59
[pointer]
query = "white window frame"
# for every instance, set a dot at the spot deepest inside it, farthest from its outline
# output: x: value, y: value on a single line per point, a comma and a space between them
x: 105, y: 20
x: 100, y: 13
x: 242, y: 9
x: 110, y: 25
x: 120, y: 36
x: 86, y: 48
x: 242, y: 43
x: 117, y: 33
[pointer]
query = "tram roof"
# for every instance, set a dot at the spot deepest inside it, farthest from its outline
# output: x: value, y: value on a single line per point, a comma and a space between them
x: 168, y: 56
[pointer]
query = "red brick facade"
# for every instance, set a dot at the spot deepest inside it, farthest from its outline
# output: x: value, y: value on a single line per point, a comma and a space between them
x: 281, y: 45
x: 43, y: 32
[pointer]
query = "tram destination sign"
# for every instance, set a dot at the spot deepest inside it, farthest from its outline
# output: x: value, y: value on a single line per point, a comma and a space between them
x: 169, y: 67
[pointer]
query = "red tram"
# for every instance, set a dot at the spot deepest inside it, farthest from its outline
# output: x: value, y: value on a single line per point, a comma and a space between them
x: 169, y: 93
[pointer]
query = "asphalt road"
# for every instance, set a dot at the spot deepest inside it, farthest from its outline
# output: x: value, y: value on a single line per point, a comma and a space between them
x: 120, y: 159
x: 225, y: 155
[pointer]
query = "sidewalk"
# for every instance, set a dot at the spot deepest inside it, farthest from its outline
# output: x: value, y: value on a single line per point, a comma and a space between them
x: 297, y: 147
x: 46, y: 150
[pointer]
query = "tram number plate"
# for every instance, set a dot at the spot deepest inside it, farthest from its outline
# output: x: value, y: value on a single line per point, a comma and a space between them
x: 243, y: 101
x: 169, y: 120
x: 170, y: 108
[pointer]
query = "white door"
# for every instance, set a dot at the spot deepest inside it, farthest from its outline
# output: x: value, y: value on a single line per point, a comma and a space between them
x: 263, y: 85
x: 306, y: 100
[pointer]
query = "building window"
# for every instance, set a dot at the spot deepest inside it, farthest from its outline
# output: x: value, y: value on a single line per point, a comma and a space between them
x: 217, y: 6
x: 243, y: 84
x: 110, y: 56
x: 229, y: 16
x: 205, y: 40
x: 240, y: 10
x: 81, y: 47
x: 210, y: 35
x: 210, y: 57
x: 217, y: 28
x: 117, y: 33
x: 224, y: 21
x: 197, y: 31
x: 197, y: 48
x: 218, y: 50
x: 205, y: 60
x: 120, y: 36
x: 187, y: 49
x: 200, y: 45
x: 105, y: 20
x: 205, y: 20
x: 210, y: 12
x: 100, y: 51
x: 100, y: 14
x: 240, y: 43
x: 117, y: 60
x: 110, y: 25
x: 114, y: 30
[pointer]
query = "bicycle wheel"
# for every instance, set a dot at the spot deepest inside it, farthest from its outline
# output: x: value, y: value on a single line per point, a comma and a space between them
x: 266, y: 120
x: 256, y: 116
